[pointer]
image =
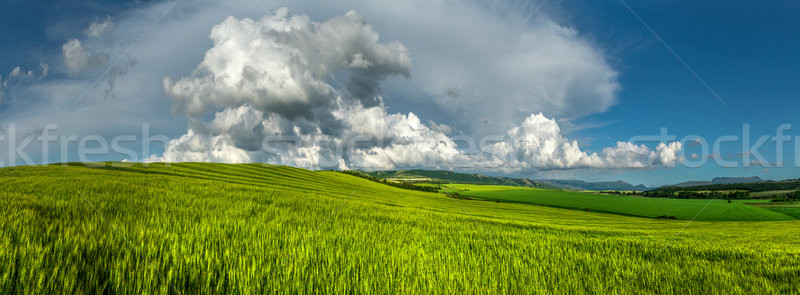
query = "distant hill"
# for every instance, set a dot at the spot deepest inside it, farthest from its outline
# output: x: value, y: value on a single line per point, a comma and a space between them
x: 720, y: 180
x: 440, y: 176
x: 618, y: 185
x: 728, y: 180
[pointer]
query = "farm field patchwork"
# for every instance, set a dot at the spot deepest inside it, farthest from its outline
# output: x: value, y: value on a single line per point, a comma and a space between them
x: 220, y: 228
x: 686, y: 209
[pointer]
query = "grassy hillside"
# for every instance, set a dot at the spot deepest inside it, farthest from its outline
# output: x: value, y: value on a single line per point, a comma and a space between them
x: 216, y: 228
x: 629, y: 205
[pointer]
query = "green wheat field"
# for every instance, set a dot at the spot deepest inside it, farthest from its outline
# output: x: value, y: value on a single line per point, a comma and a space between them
x: 247, y: 229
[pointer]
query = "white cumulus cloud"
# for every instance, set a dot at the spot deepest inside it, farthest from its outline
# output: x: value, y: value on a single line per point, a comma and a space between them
x: 267, y: 84
x: 280, y: 63
x: 537, y: 143
x: 269, y: 77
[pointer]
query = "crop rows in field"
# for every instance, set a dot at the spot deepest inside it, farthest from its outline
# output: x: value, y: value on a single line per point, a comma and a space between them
x: 217, y: 228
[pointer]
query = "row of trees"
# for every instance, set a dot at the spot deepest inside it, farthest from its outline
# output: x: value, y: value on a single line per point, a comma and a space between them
x: 790, y: 197
x: 729, y: 195
x: 621, y: 193
x: 790, y: 184
x: 698, y: 194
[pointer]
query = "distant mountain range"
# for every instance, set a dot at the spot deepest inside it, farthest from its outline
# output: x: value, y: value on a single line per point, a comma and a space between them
x: 753, y: 183
x: 618, y: 185
x: 720, y: 180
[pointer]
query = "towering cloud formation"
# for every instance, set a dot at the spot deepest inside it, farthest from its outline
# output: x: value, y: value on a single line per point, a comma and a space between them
x: 277, y: 73
x: 281, y: 64
x: 272, y: 87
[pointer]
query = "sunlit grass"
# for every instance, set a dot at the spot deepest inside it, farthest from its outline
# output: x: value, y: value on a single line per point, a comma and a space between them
x: 215, y: 228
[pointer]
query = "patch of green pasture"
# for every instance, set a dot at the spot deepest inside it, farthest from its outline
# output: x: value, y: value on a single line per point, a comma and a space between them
x: 793, y: 211
x: 697, y: 209
x: 788, y: 208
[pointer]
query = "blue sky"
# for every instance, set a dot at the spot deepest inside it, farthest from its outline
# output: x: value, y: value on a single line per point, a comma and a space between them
x: 32, y: 30
x: 745, y: 52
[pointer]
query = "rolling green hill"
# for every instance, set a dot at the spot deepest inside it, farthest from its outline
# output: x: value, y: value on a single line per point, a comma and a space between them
x: 218, y: 228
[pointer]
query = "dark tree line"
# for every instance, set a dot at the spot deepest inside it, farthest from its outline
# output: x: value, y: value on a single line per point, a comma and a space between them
x: 697, y: 195
x: 621, y: 193
x: 790, y: 197
x: 456, y: 195
x: 793, y: 196
x: 790, y: 184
